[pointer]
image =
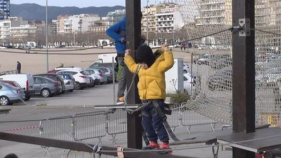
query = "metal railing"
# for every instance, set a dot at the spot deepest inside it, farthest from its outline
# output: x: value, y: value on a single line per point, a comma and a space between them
x: 8, y: 72
x: 96, y: 125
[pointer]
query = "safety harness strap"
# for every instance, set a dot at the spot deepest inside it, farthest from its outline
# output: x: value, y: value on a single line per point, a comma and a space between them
x: 164, y: 118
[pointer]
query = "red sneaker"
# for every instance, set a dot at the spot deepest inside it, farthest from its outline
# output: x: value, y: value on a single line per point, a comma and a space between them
x: 151, y: 146
x: 166, y: 148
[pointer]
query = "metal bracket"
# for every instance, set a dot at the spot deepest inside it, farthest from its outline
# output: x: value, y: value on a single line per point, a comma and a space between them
x: 245, y: 24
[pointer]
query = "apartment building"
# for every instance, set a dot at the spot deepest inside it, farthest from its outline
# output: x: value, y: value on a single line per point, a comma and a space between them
x: 54, y: 27
x: 149, y: 18
x: 5, y: 27
x: 23, y: 32
x: 115, y: 16
x: 4, y: 9
x: 80, y: 23
x: 74, y: 23
x: 99, y: 26
x: 169, y: 20
x: 60, y: 23
x: 219, y: 12
x: 212, y: 12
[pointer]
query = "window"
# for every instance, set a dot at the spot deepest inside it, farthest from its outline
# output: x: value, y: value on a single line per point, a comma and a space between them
x: 37, y: 80
x: 104, y: 69
x: 184, y: 78
x: 91, y: 72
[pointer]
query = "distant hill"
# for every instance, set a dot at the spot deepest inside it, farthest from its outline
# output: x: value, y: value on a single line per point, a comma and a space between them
x: 36, y: 12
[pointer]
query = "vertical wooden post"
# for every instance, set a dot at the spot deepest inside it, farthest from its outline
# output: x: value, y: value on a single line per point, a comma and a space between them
x: 243, y: 71
x: 133, y: 38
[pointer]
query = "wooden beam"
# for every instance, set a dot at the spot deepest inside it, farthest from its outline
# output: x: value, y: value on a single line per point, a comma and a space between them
x: 133, y: 38
x: 243, y: 71
x: 79, y: 146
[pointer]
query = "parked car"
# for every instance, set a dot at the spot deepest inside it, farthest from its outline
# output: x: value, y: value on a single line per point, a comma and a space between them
x: 24, y: 80
x: 270, y: 76
x: 56, y: 78
x: 188, y: 82
x: 12, y: 83
x: 185, y: 68
x: 10, y: 94
x: 221, y: 80
x: 99, y: 74
x: 82, y: 80
x: 100, y: 64
x: 204, y: 59
x: 53, y: 71
x: 108, y: 72
x: 69, y: 82
x: 221, y: 62
x: 46, y: 87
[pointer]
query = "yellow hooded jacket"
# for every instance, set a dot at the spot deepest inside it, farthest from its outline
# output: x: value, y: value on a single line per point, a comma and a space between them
x: 152, y: 83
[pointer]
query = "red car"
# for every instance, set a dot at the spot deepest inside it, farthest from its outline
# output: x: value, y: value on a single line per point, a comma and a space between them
x: 53, y: 71
x: 12, y: 83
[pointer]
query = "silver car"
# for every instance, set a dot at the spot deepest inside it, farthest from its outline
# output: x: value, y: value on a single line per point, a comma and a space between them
x: 10, y: 94
x: 46, y: 87
x: 69, y: 82
x: 99, y: 74
x: 108, y: 72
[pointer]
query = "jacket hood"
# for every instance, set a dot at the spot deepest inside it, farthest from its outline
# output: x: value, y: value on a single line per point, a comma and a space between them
x: 145, y: 55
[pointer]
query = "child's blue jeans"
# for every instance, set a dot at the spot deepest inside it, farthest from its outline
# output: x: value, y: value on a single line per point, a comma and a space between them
x: 153, y: 123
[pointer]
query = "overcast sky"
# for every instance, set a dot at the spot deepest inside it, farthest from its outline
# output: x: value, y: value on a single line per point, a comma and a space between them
x: 81, y: 3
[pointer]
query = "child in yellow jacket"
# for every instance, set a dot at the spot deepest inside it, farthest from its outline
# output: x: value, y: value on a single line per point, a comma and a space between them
x: 152, y: 88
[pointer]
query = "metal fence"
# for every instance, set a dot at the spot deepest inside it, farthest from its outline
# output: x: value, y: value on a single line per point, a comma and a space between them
x: 90, y: 125
x: 96, y: 125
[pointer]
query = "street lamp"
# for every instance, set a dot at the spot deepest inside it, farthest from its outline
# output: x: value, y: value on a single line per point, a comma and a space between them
x: 148, y: 13
x: 46, y: 24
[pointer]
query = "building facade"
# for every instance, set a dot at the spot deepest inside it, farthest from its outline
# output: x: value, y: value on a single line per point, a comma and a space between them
x: 4, y: 9
x: 99, y: 26
x: 115, y: 16
x: 75, y: 23
x: 219, y: 12
x: 169, y: 20
x: 149, y: 18
x: 23, y: 33
x: 212, y: 12
x: 5, y: 27
x: 54, y: 27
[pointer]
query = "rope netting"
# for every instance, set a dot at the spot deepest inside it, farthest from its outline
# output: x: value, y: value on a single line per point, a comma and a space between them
x: 208, y: 23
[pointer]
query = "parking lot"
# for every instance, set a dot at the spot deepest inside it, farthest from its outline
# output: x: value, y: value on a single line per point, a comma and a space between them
x: 98, y: 95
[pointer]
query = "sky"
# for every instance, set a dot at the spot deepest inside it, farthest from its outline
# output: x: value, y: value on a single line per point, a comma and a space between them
x: 80, y: 3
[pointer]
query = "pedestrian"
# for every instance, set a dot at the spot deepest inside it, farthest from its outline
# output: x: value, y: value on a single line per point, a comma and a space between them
x: 118, y: 33
x: 11, y: 156
x: 18, y: 67
x: 152, y: 91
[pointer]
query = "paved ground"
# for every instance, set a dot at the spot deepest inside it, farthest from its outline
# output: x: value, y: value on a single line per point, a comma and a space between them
x: 79, y: 102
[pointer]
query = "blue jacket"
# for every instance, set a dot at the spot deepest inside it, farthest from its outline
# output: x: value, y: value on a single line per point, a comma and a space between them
x: 118, y: 32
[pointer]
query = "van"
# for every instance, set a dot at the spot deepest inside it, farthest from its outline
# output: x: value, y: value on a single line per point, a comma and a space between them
x: 24, y: 80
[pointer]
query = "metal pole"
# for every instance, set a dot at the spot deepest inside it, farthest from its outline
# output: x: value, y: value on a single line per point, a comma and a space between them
x: 148, y: 13
x: 47, y: 48
x: 243, y: 71
x: 192, y: 80
x: 113, y: 82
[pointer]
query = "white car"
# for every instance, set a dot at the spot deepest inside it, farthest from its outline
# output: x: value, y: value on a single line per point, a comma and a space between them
x: 185, y: 68
x: 25, y: 81
x: 270, y: 76
x: 82, y: 80
x: 188, y: 83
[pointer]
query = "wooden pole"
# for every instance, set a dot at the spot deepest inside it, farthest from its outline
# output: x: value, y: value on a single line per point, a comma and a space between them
x: 133, y: 34
x: 243, y: 71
